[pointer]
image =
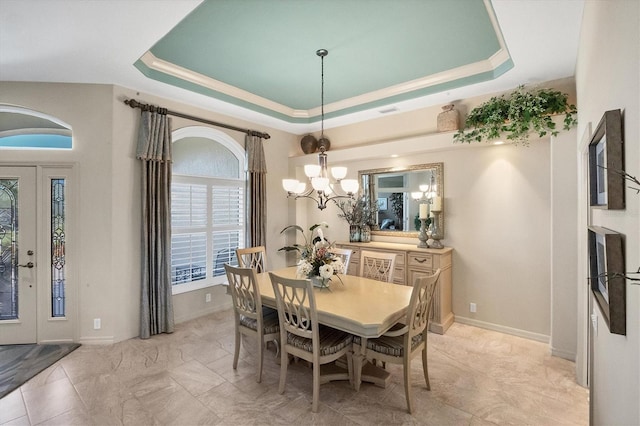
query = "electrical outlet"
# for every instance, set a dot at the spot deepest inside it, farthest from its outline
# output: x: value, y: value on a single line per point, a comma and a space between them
x: 207, y: 297
x: 472, y: 307
x: 97, y: 324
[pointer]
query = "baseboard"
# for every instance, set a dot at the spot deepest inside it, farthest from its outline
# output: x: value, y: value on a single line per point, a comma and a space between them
x: 107, y: 340
x: 202, y: 312
x: 571, y: 356
x: 55, y: 342
x: 503, y: 329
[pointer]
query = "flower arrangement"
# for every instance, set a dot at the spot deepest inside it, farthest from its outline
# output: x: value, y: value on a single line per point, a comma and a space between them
x: 317, y: 262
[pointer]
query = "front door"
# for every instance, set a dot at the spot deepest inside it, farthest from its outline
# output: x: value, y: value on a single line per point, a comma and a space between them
x: 18, y: 284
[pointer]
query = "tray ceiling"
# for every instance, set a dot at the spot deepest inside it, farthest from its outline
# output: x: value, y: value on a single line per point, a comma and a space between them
x: 255, y: 60
x: 261, y: 55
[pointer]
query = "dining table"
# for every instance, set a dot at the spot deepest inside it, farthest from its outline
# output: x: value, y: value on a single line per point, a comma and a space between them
x: 361, y: 306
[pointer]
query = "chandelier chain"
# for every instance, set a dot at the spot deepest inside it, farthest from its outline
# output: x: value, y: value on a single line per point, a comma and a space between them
x: 318, y: 175
x: 322, y: 96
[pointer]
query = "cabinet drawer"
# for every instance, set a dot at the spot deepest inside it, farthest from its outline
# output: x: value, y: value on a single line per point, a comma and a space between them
x: 420, y: 260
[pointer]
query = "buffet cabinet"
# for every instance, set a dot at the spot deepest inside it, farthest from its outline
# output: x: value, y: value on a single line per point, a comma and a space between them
x: 412, y: 262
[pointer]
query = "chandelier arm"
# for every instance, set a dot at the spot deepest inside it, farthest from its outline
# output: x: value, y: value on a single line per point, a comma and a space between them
x: 340, y: 196
x: 322, y: 199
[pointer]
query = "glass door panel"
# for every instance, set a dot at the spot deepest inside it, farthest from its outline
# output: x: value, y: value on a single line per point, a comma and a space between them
x: 17, y: 255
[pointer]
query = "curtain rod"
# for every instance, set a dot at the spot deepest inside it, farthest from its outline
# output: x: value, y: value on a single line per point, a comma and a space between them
x: 146, y: 107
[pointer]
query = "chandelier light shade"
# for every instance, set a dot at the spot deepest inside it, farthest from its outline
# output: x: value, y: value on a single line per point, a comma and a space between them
x: 322, y: 188
x: 427, y: 191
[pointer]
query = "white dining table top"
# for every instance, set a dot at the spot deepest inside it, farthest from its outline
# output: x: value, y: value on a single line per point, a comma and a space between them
x: 357, y: 305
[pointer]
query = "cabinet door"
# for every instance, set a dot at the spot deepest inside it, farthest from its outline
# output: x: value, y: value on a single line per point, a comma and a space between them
x: 417, y: 272
x: 354, y: 263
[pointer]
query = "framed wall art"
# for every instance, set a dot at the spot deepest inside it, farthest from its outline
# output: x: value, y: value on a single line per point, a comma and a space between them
x: 606, y: 163
x: 606, y: 276
x: 382, y: 204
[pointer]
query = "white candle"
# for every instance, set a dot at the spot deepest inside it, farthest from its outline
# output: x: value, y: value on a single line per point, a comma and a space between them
x: 437, y: 204
x: 423, y: 211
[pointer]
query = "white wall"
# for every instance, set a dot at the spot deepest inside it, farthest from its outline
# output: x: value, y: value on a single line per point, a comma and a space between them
x: 564, y: 245
x: 607, y: 77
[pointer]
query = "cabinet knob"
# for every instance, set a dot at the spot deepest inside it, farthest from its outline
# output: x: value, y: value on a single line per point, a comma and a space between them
x: 420, y: 260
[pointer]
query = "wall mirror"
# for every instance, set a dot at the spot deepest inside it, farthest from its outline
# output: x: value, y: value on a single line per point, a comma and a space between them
x: 395, y: 189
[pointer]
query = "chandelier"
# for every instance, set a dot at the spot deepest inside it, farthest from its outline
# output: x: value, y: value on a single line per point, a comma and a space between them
x: 322, y: 188
x: 427, y: 191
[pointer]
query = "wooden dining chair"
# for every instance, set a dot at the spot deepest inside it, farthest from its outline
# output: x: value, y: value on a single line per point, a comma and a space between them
x: 252, y: 257
x: 377, y: 265
x: 345, y: 254
x: 400, y: 344
x: 302, y: 336
x: 250, y: 317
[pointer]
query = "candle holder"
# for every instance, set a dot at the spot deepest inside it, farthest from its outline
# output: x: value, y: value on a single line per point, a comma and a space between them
x: 436, y: 236
x: 422, y: 236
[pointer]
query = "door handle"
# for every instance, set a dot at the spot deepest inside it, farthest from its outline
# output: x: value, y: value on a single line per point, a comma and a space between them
x: 28, y: 265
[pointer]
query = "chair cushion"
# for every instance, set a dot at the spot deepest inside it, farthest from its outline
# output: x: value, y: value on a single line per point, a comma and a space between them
x: 331, y: 341
x: 393, y: 346
x: 270, y: 321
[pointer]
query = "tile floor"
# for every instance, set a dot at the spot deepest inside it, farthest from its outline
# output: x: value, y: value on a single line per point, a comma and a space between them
x: 478, y: 377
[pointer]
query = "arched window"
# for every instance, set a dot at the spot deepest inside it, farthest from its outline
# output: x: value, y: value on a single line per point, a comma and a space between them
x: 207, y: 206
x: 24, y: 128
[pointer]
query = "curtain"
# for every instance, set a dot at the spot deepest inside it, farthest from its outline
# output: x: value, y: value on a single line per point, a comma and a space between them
x: 154, y: 150
x: 257, y: 183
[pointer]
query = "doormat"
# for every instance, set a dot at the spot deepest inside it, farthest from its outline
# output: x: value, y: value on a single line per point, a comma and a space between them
x: 19, y: 363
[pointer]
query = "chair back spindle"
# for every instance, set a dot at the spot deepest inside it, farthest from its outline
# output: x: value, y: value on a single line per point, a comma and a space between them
x: 377, y: 265
x: 252, y: 257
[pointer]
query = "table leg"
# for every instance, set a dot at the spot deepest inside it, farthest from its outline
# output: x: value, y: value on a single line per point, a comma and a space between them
x: 364, y: 371
x: 358, y: 361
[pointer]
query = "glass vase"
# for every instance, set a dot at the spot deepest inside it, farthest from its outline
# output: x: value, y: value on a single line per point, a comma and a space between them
x: 365, y: 233
x: 318, y: 281
x: 354, y: 233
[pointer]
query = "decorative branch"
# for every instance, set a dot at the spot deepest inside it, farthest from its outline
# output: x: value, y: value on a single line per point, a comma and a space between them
x: 628, y: 177
x: 626, y: 275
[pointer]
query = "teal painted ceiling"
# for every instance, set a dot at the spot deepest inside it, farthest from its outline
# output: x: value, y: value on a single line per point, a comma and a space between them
x: 255, y: 60
x: 261, y: 55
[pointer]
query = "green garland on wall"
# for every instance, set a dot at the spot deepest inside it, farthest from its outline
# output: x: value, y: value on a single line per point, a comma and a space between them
x: 517, y: 115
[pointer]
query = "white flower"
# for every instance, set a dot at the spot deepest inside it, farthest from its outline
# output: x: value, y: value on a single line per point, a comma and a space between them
x: 338, y: 265
x: 326, y: 271
x: 304, y: 268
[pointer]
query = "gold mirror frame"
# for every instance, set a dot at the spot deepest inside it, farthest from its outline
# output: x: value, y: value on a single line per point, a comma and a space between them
x: 367, y: 188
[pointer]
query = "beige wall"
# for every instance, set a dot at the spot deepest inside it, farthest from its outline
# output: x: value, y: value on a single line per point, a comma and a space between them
x: 88, y: 109
x: 607, y: 77
x: 106, y: 246
x: 498, y: 206
x: 497, y: 210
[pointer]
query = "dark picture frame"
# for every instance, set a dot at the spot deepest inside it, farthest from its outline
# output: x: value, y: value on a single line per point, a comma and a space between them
x: 606, y: 276
x: 606, y: 163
